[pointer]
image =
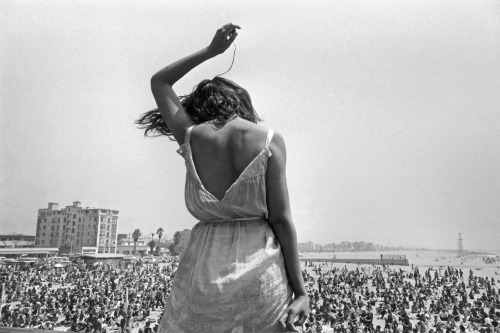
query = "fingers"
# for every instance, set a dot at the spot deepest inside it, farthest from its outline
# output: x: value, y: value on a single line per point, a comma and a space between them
x: 301, y: 321
x: 232, y: 37
x: 291, y: 319
x: 283, y: 319
x: 230, y: 27
x: 286, y: 320
x: 229, y: 30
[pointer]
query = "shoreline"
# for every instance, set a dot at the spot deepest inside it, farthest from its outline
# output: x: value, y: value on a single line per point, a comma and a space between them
x: 430, y: 259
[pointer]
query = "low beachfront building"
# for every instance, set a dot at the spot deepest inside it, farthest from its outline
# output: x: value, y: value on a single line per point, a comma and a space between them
x: 308, y: 247
x: 112, y: 259
x: 141, y: 250
x: 32, y: 252
x: 17, y: 240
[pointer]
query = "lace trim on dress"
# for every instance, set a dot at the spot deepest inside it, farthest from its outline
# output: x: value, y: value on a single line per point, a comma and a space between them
x: 277, y: 295
x: 256, y: 168
x: 253, y: 321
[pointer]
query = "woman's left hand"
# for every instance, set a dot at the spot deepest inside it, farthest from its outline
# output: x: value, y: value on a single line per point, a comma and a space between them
x: 300, y: 308
x: 223, y: 38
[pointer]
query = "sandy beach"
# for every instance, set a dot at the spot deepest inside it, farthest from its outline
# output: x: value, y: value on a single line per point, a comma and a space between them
x: 435, y: 260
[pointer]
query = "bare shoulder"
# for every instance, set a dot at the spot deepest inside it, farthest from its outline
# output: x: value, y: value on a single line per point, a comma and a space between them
x: 277, y: 145
x: 246, y: 134
x: 246, y: 126
x: 255, y: 135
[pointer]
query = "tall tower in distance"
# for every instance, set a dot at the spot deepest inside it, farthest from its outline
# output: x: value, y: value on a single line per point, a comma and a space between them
x: 460, y: 245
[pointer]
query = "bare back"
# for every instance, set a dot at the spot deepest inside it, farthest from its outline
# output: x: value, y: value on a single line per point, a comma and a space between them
x: 221, y: 152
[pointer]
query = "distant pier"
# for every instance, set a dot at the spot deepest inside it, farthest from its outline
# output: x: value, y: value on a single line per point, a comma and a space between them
x: 396, y: 262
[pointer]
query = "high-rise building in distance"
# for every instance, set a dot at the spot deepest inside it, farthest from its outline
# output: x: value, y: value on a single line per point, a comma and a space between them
x: 74, y: 227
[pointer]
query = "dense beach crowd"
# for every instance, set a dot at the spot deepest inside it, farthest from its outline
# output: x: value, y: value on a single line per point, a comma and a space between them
x: 85, y: 299
x: 360, y: 299
x: 385, y: 299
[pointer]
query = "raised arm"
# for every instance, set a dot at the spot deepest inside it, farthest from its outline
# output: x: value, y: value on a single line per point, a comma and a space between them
x: 280, y: 219
x: 169, y: 106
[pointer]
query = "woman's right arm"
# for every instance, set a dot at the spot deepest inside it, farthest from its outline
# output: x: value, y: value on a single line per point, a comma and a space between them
x: 280, y: 219
x: 169, y: 106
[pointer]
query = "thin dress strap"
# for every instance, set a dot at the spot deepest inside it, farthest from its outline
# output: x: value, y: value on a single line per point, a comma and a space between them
x: 270, y: 134
x: 187, y: 137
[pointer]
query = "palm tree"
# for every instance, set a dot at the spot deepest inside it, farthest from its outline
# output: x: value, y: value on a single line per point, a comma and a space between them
x: 177, y: 238
x: 151, y: 245
x: 135, y: 236
x: 160, y: 233
x: 177, y: 241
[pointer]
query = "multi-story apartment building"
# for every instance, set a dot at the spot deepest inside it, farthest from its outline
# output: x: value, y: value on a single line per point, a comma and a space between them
x: 74, y: 227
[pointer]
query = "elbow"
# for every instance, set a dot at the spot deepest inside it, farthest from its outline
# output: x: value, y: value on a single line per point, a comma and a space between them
x: 155, y: 80
x: 280, y: 221
x: 159, y: 79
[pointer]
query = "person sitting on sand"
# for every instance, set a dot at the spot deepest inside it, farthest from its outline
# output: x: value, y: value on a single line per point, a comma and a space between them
x: 494, y: 321
x: 318, y: 328
x: 390, y: 319
x: 474, y: 316
x: 451, y: 325
x: 369, y: 321
x: 414, y: 307
x: 407, y: 326
x: 482, y: 314
x: 456, y: 313
x: 147, y: 328
x: 422, y: 326
x: 443, y: 315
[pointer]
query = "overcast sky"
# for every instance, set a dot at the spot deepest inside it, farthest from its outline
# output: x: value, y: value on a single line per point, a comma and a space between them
x: 390, y: 111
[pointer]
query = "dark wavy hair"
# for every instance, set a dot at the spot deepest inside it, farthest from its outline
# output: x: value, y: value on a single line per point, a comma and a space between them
x: 218, y: 99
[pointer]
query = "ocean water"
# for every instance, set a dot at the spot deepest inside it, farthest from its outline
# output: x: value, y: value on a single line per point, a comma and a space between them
x: 425, y: 259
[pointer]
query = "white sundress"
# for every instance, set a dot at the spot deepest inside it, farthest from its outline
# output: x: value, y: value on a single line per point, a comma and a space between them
x: 231, y: 276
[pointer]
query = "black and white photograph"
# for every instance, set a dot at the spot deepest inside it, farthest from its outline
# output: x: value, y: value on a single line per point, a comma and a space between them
x: 261, y: 166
